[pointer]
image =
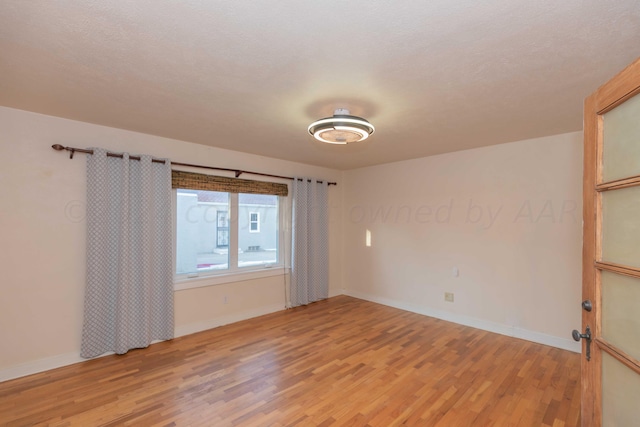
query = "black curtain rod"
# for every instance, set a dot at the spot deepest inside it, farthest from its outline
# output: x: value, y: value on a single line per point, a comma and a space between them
x: 238, y: 172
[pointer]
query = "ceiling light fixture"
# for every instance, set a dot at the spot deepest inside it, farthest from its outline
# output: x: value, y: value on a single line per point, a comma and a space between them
x: 342, y: 128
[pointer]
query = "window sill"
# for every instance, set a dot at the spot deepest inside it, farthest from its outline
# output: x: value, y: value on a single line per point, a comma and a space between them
x: 219, y: 279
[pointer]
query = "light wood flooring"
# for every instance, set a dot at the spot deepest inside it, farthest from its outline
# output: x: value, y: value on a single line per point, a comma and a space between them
x: 339, y: 362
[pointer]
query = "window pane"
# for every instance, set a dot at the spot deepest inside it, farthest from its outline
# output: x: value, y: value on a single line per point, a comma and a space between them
x: 621, y: 158
x: 202, y: 231
x: 621, y: 226
x: 620, y: 308
x: 620, y: 391
x: 257, y: 229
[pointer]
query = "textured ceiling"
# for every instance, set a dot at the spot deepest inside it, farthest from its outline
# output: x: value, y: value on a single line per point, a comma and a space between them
x: 432, y: 76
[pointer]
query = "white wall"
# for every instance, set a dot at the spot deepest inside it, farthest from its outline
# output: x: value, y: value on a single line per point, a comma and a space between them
x: 43, y: 238
x: 507, y: 216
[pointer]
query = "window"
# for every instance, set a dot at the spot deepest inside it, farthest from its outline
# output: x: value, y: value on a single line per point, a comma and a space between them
x: 257, y: 230
x: 225, y: 233
x: 222, y: 229
x: 202, y: 231
x: 254, y: 222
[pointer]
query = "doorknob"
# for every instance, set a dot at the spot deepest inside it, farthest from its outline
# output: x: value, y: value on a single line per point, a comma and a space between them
x: 587, y: 335
x: 577, y: 335
x: 586, y: 305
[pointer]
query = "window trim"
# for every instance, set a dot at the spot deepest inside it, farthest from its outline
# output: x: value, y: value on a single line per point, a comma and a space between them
x: 220, y: 279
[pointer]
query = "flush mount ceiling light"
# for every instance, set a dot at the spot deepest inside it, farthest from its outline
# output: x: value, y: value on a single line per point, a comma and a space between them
x: 342, y: 128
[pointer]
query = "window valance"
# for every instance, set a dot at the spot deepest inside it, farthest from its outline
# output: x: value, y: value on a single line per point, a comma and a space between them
x: 199, y: 181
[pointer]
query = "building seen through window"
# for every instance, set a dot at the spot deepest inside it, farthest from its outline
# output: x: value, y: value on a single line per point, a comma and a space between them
x: 207, y: 221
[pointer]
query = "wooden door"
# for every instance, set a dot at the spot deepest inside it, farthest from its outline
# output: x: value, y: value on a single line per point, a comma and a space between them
x: 611, y: 253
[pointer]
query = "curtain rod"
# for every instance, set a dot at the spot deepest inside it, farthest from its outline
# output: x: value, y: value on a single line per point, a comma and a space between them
x: 238, y: 172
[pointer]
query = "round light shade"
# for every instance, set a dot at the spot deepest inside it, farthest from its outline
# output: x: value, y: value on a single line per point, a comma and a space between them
x: 342, y: 128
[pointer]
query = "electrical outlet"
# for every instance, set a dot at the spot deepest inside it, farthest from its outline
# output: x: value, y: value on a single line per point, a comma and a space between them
x: 448, y: 296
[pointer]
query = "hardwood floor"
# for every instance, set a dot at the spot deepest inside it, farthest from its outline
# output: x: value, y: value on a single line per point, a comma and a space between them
x: 340, y: 362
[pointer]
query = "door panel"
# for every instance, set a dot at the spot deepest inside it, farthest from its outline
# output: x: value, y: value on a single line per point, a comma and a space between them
x: 621, y: 226
x: 620, y: 308
x: 610, y: 379
x: 621, y: 134
x: 620, y: 391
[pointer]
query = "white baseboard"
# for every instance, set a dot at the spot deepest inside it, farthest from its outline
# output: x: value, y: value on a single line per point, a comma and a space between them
x: 60, y: 360
x: 486, y: 325
x: 35, y: 366
x: 192, y: 328
x: 335, y: 292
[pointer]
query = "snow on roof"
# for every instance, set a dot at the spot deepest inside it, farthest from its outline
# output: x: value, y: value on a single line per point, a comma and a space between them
x: 244, y: 199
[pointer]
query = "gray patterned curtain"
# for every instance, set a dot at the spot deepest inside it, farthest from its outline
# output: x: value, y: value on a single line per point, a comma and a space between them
x: 310, y: 242
x: 129, y: 290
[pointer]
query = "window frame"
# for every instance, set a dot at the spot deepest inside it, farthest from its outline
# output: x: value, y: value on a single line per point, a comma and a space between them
x: 234, y: 273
